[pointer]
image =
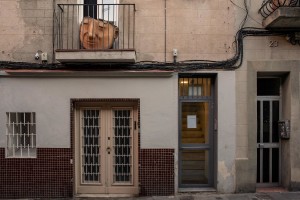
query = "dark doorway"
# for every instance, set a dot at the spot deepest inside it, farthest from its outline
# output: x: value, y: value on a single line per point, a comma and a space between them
x: 268, y: 143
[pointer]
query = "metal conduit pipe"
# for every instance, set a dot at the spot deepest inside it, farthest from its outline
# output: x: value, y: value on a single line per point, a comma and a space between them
x: 165, y: 31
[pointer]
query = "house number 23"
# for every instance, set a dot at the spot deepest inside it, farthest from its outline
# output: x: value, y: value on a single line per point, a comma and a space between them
x: 273, y: 43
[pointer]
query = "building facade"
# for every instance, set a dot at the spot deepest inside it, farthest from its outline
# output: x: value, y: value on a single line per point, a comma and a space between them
x: 127, y: 98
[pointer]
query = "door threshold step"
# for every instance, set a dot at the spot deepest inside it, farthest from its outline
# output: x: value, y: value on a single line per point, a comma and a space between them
x: 204, y: 189
x: 78, y: 196
x: 271, y: 189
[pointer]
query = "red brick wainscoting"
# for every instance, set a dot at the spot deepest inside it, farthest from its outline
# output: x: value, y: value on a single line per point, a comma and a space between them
x: 51, y: 174
x: 156, y: 172
x: 48, y: 175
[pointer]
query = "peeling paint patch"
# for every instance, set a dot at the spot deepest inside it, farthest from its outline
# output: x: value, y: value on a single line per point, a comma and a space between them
x: 226, y: 177
x: 223, y: 170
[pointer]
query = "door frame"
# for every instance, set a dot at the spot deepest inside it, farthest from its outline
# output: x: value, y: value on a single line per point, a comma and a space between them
x: 212, y: 120
x: 270, y: 99
x: 76, y: 105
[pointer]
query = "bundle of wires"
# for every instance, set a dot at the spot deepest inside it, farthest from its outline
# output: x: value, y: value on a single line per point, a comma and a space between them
x: 187, y: 65
x: 230, y: 64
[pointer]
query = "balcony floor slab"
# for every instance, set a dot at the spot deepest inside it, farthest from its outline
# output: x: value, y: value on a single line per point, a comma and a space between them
x: 96, y: 56
x: 283, y: 18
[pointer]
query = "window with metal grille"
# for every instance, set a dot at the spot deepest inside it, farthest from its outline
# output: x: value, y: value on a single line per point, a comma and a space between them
x: 90, y: 146
x: 196, y: 87
x: 122, y: 126
x: 21, y: 135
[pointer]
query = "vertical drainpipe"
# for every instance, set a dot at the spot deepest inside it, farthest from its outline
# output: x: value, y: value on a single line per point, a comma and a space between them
x: 165, y: 31
x: 53, y: 34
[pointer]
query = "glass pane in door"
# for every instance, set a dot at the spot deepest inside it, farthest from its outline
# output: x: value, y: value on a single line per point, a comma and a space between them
x: 268, y: 86
x: 266, y: 121
x: 275, y: 165
x: 275, y: 119
x: 195, y: 167
x: 90, y: 146
x: 266, y: 165
x: 258, y: 122
x: 258, y: 164
x: 195, y: 123
x: 268, y: 148
x: 122, y: 147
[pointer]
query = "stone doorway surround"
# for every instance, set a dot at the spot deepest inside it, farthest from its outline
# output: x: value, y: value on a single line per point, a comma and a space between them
x: 246, y: 122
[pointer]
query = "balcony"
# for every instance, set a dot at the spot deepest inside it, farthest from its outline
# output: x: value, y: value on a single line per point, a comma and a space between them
x: 281, y: 14
x: 94, y: 33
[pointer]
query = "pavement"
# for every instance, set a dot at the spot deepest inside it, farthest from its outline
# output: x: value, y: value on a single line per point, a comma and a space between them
x: 215, y: 196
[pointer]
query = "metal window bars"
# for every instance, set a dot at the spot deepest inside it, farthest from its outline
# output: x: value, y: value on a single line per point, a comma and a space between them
x: 269, y: 6
x: 194, y: 87
x: 122, y: 146
x: 69, y: 17
x: 90, y: 146
x: 21, y: 134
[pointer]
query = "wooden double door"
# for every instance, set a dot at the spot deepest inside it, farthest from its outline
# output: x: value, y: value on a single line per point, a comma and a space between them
x: 106, y: 149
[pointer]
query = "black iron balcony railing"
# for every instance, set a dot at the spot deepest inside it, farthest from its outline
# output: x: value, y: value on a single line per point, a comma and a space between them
x: 269, y: 6
x: 94, y: 26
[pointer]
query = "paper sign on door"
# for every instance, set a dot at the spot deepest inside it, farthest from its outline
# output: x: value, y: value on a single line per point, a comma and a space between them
x: 191, y: 121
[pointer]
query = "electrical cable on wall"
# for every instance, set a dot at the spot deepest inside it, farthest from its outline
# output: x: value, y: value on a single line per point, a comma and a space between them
x: 230, y: 64
x: 233, y: 63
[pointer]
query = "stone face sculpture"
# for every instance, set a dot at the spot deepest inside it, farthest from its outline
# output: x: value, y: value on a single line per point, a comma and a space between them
x: 97, y: 33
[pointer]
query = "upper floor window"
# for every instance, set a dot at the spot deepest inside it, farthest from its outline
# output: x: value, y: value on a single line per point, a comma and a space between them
x: 21, y: 134
x: 101, y: 9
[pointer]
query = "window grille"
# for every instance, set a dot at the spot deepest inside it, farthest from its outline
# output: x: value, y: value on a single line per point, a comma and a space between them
x: 122, y: 130
x: 194, y: 87
x: 90, y: 147
x: 21, y: 134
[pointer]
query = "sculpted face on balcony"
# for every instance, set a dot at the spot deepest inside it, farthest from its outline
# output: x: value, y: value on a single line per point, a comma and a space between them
x: 97, y: 33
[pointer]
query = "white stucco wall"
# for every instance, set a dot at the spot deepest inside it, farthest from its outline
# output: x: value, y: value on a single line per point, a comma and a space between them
x: 226, y: 134
x: 50, y: 99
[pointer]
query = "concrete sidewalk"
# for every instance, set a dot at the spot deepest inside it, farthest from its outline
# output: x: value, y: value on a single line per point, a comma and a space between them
x: 214, y: 196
